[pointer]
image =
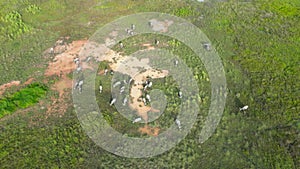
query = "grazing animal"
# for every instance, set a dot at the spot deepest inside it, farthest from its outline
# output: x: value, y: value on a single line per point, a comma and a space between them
x: 180, y: 94
x: 79, y: 68
x: 145, y: 87
x: 244, y: 108
x: 150, y: 23
x: 129, y: 31
x: 111, y: 72
x: 150, y: 84
x: 117, y: 84
x: 121, y: 45
x: 122, y: 89
x: 51, y: 50
x: 100, y: 88
x: 156, y: 42
x: 144, y: 100
x: 125, y: 101
x: 131, y: 79
x: 207, y: 46
x: 137, y: 120
x: 113, y: 101
x: 105, y: 71
x: 80, y: 85
x: 88, y: 59
x: 176, y: 62
x: 148, y: 97
x: 132, y: 26
x: 76, y: 85
x: 178, y: 123
x: 76, y: 60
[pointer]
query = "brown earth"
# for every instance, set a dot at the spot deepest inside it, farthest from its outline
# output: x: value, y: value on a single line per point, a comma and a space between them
x: 151, y: 131
x: 8, y: 85
x: 62, y: 65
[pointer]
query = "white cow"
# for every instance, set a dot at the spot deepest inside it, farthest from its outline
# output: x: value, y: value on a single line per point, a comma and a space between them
x: 150, y: 84
x: 79, y: 68
x: 105, y: 71
x: 244, y: 108
x: 132, y: 26
x: 100, y: 88
x: 113, y: 101
x: 122, y: 89
x: 121, y: 45
x: 51, y: 50
x: 88, y: 59
x: 80, y: 85
x: 178, y: 123
x: 125, y: 101
x: 180, y: 94
x: 144, y: 100
x: 176, y: 62
x: 117, y: 84
x: 76, y: 60
x: 148, y: 97
x: 207, y: 46
x: 137, y: 120
x: 130, y: 80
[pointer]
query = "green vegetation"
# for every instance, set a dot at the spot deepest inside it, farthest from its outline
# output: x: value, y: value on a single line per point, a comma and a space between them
x: 14, y: 25
x: 258, y: 43
x: 22, y: 99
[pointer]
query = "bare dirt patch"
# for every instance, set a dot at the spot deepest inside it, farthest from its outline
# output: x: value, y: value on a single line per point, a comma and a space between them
x: 8, y: 85
x: 61, y: 66
x: 151, y: 131
x: 29, y: 81
x: 63, y: 63
x: 149, y: 46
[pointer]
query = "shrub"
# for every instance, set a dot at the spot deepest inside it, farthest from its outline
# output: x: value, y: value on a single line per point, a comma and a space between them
x: 22, y: 99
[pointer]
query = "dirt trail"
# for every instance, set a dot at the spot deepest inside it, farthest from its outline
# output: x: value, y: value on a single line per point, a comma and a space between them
x: 8, y: 85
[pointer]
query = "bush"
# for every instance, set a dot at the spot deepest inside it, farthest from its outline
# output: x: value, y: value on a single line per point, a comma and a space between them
x: 22, y: 99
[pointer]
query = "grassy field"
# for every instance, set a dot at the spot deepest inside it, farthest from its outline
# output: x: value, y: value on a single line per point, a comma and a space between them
x: 258, y: 42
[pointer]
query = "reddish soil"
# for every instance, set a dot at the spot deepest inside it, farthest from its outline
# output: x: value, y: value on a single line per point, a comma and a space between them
x: 8, y: 85
x: 29, y: 81
x: 149, y: 46
x: 62, y: 65
x: 151, y: 131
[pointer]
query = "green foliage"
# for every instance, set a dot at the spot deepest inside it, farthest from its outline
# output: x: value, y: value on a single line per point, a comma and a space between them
x: 286, y: 8
x: 33, y: 9
x: 14, y: 25
x: 22, y: 99
x: 184, y: 12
